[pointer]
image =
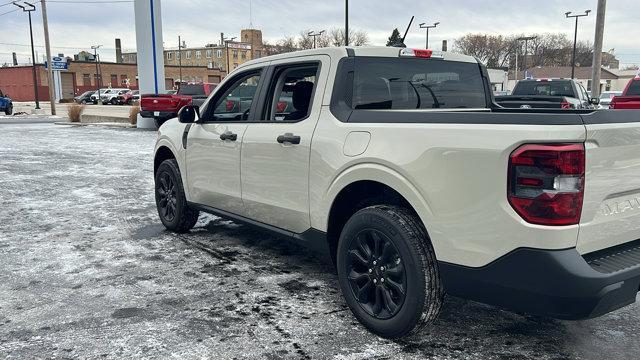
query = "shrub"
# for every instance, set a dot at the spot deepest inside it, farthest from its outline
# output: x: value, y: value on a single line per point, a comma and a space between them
x: 75, y: 111
x: 133, y: 114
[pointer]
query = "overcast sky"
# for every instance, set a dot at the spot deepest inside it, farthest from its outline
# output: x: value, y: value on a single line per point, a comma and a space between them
x: 74, y: 27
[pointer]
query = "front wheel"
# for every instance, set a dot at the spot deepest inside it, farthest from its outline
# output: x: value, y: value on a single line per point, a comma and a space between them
x: 171, y: 201
x: 388, y: 272
x: 8, y: 110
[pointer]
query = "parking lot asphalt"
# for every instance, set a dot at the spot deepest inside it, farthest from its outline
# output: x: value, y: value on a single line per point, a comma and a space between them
x: 87, y: 271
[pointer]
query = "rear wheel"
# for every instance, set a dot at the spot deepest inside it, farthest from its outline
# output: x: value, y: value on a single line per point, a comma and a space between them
x: 8, y: 110
x: 388, y: 271
x: 171, y: 201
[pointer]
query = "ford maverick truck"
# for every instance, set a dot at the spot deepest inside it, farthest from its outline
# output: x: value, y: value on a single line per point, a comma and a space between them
x: 398, y: 165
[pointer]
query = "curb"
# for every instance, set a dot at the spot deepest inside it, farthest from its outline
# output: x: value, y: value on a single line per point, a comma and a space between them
x: 103, y: 124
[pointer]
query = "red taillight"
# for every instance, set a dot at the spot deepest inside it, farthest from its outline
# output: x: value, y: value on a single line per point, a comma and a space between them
x: 546, y: 183
x: 565, y: 105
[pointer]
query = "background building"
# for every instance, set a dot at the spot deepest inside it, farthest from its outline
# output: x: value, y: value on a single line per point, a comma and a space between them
x: 213, y: 56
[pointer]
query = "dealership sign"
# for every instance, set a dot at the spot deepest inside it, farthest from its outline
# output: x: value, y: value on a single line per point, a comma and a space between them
x: 58, y: 64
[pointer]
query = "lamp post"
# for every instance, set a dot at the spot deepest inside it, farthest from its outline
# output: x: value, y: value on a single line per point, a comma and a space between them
x: 98, y: 75
x: 526, y: 51
x: 575, y: 39
x: 28, y: 8
x: 425, y: 26
x: 346, y: 22
x: 314, y: 35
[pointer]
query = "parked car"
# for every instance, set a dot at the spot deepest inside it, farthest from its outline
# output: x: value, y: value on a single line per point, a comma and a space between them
x: 548, y: 94
x: 135, y: 95
x: 128, y: 97
x: 6, y: 105
x: 84, y: 98
x: 606, y: 97
x: 398, y: 166
x: 111, y: 97
x: 163, y: 107
x: 99, y: 93
x: 630, y: 98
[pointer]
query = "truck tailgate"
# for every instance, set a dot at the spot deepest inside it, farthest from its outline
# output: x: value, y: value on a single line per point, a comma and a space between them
x: 611, y: 210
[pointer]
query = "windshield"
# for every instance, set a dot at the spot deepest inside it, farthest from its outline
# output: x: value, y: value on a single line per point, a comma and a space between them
x: 391, y: 83
x: 193, y: 90
x: 544, y: 88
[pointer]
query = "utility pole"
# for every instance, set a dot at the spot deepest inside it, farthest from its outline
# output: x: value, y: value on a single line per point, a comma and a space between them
x: 346, y: 22
x: 180, y: 58
x: 575, y: 39
x: 98, y: 75
x: 526, y: 50
x: 425, y: 26
x: 597, y: 49
x: 314, y: 34
x: 47, y: 45
x: 28, y: 8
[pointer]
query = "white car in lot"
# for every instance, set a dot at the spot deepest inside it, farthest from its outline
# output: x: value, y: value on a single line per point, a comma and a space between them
x: 398, y: 166
x: 606, y: 97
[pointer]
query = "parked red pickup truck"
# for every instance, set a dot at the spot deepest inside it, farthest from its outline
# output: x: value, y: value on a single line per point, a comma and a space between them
x: 163, y: 107
x: 630, y: 98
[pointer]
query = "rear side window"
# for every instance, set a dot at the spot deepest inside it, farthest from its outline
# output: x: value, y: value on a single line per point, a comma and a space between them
x: 634, y: 88
x: 193, y: 90
x: 544, y: 88
x: 402, y: 84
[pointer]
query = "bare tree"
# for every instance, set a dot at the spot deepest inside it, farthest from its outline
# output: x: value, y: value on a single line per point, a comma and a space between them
x: 356, y: 37
x: 305, y: 41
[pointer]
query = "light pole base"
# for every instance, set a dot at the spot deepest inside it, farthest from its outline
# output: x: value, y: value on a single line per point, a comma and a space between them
x: 146, y: 123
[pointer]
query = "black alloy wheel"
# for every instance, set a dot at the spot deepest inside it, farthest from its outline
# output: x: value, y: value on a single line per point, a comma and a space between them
x: 167, y: 197
x: 376, y: 274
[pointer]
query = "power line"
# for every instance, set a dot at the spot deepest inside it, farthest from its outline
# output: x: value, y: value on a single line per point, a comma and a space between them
x: 9, y: 12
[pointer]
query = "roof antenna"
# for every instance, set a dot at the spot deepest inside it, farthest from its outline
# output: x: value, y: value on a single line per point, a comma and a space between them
x: 401, y: 44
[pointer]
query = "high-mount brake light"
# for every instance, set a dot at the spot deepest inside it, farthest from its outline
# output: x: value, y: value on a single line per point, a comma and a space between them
x: 420, y: 53
x: 546, y: 183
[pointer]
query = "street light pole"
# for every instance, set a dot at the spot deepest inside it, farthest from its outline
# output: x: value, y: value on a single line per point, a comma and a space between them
x: 425, y: 26
x: 98, y: 75
x: 226, y: 50
x: 28, y: 8
x: 314, y: 34
x: 45, y: 23
x: 575, y: 39
x: 526, y: 51
x: 346, y: 22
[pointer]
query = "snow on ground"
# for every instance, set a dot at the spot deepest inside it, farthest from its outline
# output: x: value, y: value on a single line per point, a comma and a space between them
x: 87, y: 271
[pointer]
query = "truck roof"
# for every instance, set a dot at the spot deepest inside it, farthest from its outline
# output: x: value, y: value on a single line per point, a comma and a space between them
x: 372, y: 51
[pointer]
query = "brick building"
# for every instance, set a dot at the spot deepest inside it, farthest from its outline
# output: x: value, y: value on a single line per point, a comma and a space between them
x: 17, y: 81
x: 213, y: 56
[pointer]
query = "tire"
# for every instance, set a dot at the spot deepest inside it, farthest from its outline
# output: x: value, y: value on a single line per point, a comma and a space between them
x: 114, y: 102
x: 83, y: 102
x: 404, y: 258
x: 171, y: 201
x: 8, y: 110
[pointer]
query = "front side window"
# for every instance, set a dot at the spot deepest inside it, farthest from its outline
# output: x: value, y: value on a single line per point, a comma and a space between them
x: 402, y: 84
x: 237, y: 100
x: 291, y: 93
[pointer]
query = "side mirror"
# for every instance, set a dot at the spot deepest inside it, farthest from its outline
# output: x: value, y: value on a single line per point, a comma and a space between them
x: 595, y: 101
x: 189, y: 114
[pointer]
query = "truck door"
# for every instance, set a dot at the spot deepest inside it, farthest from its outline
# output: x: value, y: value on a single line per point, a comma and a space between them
x: 276, y: 149
x: 213, y: 146
x: 611, y: 207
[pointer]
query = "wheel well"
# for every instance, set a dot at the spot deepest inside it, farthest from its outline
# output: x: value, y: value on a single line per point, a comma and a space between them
x: 354, y: 197
x: 163, y: 153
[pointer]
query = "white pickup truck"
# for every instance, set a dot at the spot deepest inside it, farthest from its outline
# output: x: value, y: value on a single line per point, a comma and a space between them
x: 398, y: 165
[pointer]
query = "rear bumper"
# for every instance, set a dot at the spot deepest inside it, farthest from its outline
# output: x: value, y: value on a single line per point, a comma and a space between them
x: 556, y: 283
x: 162, y: 115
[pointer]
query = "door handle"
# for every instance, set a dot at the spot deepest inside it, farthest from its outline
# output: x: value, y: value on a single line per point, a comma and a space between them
x: 289, y: 138
x: 228, y: 136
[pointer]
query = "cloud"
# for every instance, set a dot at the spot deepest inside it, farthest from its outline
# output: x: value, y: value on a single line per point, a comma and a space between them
x: 199, y: 22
